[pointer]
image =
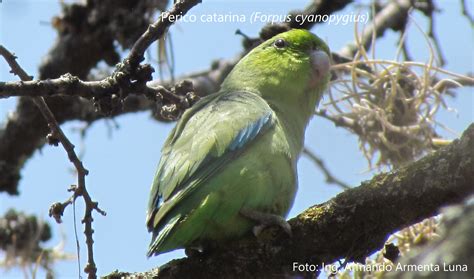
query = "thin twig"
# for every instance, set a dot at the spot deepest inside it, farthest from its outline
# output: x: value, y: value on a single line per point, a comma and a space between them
x: 58, y: 135
x: 330, y: 178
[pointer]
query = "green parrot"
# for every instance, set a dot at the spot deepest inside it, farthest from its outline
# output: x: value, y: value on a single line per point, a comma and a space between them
x: 229, y: 165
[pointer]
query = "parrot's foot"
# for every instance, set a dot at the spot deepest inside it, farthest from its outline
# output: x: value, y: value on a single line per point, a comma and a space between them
x: 193, y: 252
x: 265, y: 220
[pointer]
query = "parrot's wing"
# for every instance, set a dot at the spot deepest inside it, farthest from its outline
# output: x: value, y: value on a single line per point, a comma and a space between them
x: 210, y: 134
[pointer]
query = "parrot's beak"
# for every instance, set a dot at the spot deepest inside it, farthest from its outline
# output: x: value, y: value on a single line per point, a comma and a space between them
x: 320, y: 64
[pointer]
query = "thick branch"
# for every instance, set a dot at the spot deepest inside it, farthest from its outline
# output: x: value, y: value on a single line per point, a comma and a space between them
x: 352, y: 225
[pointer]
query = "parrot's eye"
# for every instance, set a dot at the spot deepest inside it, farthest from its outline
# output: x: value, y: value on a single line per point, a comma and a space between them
x: 280, y: 43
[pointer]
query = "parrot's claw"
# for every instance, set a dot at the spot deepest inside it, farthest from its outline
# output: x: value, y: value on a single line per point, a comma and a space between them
x: 266, y: 220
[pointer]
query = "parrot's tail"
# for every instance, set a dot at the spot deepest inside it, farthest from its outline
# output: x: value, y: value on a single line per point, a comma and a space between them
x: 159, y: 243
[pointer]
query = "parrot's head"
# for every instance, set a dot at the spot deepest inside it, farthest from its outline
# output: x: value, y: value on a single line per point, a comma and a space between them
x: 290, y: 67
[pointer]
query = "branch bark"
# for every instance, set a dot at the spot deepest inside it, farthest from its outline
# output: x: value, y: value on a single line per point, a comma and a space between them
x: 351, y: 226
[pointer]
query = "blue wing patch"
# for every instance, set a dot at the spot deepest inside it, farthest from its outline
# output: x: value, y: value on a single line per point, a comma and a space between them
x: 248, y: 133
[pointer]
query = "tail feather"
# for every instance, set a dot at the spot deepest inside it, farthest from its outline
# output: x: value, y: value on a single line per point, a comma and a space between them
x: 159, y: 241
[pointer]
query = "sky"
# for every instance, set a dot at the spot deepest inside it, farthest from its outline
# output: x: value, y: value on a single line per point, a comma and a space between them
x: 122, y: 155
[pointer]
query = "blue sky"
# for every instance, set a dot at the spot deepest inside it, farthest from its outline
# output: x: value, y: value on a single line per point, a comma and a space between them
x: 122, y: 160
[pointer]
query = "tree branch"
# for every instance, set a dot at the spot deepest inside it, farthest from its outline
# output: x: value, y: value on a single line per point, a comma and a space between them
x: 158, y: 29
x: 352, y: 225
